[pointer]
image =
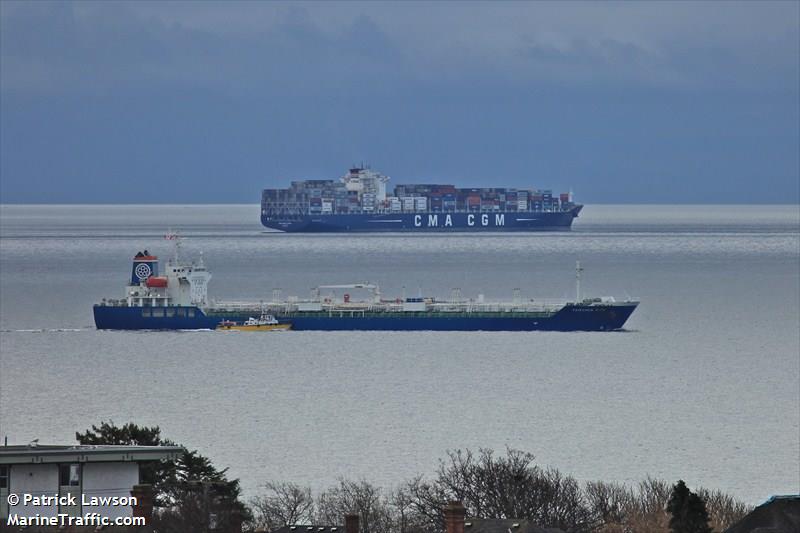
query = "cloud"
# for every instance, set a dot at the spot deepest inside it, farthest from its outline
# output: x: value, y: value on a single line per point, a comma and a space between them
x: 47, y: 46
x: 76, y: 46
x: 695, y: 100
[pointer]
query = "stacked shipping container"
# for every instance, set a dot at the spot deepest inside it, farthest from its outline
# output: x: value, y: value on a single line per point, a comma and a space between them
x: 323, y: 197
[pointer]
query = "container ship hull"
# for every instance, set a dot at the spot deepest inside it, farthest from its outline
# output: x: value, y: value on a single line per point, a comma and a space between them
x: 429, y: 222
x: 573, y: 317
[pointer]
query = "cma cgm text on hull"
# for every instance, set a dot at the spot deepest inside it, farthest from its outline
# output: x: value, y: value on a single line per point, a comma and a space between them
x: 360, y: 202
x: 178, y: 299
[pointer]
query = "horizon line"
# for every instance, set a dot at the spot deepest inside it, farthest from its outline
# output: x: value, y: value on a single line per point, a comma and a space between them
x: 8, y: 204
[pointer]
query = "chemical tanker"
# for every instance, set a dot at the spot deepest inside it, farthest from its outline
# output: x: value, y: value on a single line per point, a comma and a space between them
x: 360, y: 202
x: 178, y: 299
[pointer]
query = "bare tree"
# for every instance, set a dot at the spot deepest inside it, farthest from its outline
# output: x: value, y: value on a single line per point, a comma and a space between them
x: 723, y: 509
x: 509, y: 486
x: 427, y: 501
x: 283, y: 504
x: 358, y: 497
x: 565, y: 506
x: 490, y: 485
x: 609, y: 502
x: 407, y: 518
x: 620, y: 509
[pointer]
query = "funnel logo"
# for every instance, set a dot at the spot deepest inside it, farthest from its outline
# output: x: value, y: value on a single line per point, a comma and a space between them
x: 142, y: 271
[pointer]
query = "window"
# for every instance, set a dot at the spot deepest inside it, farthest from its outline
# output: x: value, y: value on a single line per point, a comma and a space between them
x: 180, y: 311
x: 69, y: 481
x: 146, y: 312
x: 170, y: 311
x: 3, y: 477
x: 158, y: 312
x: 69, y: 475
x: 191, y: 312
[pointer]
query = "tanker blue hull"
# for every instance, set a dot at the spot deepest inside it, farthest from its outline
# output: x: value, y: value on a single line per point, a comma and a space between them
x: 570, y: 318
x: 424, y: 222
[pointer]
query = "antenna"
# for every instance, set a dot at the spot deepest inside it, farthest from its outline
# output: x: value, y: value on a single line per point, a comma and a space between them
x: 578, y: 270
x: 175, y: 237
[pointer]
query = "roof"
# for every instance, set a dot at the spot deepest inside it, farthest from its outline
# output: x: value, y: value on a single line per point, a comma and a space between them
x: 296, y: 528
x: 84, y: 453
x: 502, y: 525
x: 778, y: 514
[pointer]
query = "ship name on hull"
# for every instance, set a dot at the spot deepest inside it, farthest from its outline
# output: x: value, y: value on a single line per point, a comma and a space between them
x: 435, y: 221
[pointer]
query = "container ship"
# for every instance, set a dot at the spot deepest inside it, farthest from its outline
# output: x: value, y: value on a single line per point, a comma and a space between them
x: 360, y: 202
x: 178, y: 299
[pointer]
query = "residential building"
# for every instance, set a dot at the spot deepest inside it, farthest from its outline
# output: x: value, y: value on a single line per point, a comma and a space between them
x: 351, y: 525
x: 100, y: 479
x: 779, y: 514
x: 456, y: 521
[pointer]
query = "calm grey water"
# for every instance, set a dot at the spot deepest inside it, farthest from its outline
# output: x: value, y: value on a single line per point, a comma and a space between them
x: 704, y: 385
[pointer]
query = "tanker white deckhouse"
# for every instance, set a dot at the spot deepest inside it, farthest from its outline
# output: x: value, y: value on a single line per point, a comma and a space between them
x: 183, y: 285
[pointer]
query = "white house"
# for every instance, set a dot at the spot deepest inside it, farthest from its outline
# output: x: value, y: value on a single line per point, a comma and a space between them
x: 96, y: 478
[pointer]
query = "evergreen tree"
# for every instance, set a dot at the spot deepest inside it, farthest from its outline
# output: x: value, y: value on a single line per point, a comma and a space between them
x: 129, y: 434
x: 186, y: 488
x: 687, y: 510
x: 150, y: 472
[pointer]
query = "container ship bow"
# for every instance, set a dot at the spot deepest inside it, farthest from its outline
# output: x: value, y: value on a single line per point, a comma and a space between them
x: 360, y: 202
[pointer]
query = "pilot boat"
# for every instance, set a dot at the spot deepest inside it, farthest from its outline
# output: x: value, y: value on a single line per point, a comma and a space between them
x: 263, y: 323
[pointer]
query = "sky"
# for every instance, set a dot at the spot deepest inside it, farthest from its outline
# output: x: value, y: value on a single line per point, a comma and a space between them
x: 207, y: 102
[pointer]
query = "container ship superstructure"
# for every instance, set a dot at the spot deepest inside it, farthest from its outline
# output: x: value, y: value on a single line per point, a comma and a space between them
x: 178, y: 299
x: 360, y: 202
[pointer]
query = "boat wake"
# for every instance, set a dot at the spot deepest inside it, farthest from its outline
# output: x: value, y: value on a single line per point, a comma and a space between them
x: 44, y: 330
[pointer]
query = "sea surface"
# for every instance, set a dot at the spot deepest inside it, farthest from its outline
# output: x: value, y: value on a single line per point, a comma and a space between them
x: 703, y: 385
